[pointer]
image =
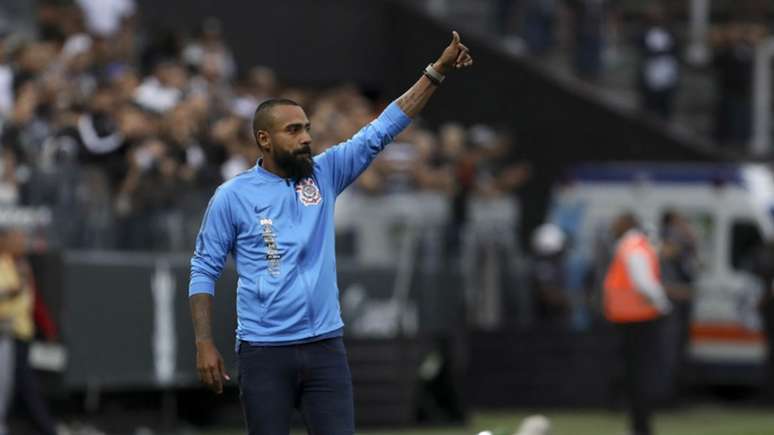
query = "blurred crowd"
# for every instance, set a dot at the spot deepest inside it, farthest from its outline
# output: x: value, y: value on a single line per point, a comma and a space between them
x: 125, y: 134
x: 599, y: 33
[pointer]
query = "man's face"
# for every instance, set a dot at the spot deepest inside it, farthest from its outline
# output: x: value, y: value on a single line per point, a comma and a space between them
x: 288, y: 141
x: 14, y: 242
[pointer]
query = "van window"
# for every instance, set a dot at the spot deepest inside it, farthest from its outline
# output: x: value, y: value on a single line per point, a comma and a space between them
x: 745, y: 240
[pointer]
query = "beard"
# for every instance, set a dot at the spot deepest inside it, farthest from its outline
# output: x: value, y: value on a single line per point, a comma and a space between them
x: 296, y: 164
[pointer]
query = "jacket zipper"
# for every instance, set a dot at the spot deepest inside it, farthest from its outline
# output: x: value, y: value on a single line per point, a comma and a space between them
x: 301, y: 271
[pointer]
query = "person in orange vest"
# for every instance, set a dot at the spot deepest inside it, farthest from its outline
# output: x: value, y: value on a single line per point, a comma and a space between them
x: 635, y: 301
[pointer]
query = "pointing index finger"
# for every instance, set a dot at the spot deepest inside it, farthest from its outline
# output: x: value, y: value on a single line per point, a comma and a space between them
x: 217, y: 381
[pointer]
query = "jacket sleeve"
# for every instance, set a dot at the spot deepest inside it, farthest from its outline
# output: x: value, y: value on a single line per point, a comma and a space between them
x: 214, y: 242
x: 637, y: 265
x: 346, y: 161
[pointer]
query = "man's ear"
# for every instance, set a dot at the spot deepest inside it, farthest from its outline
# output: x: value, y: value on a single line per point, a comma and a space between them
x: 263, y: 139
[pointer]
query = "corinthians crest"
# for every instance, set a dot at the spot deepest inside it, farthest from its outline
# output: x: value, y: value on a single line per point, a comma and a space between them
x: 308, y: 192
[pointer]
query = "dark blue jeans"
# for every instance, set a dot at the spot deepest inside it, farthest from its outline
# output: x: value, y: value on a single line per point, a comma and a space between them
x: 643, y: 367
x: 28, y: 394
x: 312, y: 377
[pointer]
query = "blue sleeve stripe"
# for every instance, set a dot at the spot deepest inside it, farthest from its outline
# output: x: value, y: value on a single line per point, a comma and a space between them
x: 201, y: 284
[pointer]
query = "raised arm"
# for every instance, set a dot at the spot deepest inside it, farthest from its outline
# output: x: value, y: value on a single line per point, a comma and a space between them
x: 454, y: 56
x: 346, y: 161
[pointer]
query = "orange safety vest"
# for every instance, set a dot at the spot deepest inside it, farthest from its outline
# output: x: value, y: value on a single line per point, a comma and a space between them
x: 623, y: 302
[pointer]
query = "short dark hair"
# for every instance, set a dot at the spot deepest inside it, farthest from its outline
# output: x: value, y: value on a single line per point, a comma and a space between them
x: 668, y: 217
x: 628, y: 220
x: 262, y: 118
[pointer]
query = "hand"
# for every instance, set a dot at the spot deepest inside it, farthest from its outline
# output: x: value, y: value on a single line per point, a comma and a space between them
x: 662, y: 305
x: 679, y: 292
x: 210, y: 366
x: 456, y: 56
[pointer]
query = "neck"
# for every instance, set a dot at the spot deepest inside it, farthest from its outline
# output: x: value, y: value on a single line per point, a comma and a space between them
x: 271, y: 166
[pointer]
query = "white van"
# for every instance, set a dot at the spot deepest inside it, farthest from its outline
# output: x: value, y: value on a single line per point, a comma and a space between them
x: 731, y: 207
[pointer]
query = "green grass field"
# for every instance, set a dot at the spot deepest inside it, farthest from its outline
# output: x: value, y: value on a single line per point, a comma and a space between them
x: 696, y: 421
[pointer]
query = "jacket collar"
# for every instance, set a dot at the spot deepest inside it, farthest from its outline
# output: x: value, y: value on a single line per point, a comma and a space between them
x: 267, y: 175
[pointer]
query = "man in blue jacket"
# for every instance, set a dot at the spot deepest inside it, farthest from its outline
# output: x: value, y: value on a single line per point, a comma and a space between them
x: 276, y: 219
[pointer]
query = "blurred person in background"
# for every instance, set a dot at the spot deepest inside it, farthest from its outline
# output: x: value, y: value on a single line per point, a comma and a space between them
x: 763, y: 268
x: 9, y: 182
x: 258, y: 85
x: 209, y: 53
x: 659, y: 69
x: 548, y: 274
x: 17, y: 16
x: 539, y: 25
x: 461, y: 164
x: 164, y: 89
x: 58, y: 20
x: 6, y: 76
x: 29, y: 123
x: 102, y: 130
x: 231, y: 135
x: 72, y: 78
x: 501, y: 11
x: 734, y: 56
x: 16, y: 279
x: 392, y: 171
x: 400, y: 201
x: 290, y: 347
x: 407, y: 166
x: 602, y: 249
x: 678, y: 269
x: 590, y: 24
x: 635, y: 301
x: 429, y: 171
x: 148, y: 197
x: 7, y: 357
x: 107, y: 18
x: 491, y: 254
x: 112, y: 24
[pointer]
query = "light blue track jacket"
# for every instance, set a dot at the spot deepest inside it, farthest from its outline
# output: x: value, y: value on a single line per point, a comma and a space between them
x: 281, y: 235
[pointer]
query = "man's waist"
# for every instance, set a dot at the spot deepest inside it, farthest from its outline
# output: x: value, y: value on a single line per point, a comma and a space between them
x: 338, y: 332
